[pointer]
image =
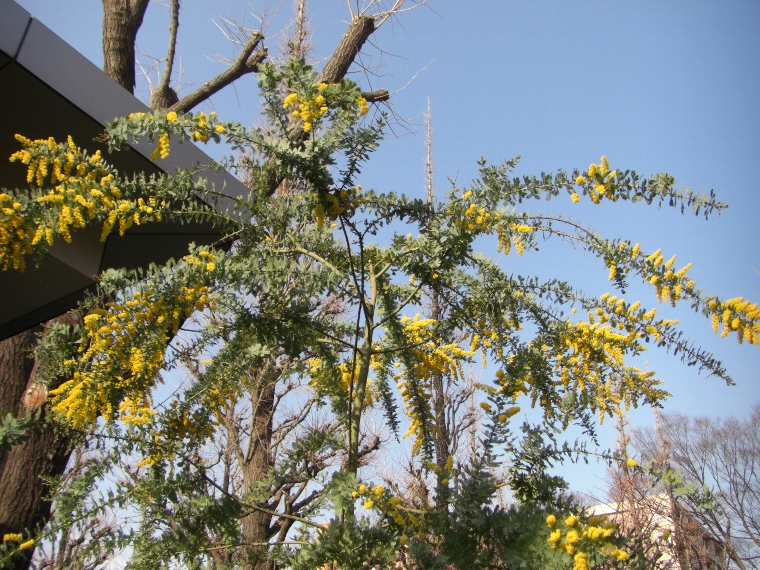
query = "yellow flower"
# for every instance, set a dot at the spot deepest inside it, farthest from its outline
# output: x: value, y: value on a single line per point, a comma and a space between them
x: 171, y: 116
x: 580, y: 181
x: 210, y: 266
x: 369, y: 503
x: 551, y: 520
x: 289, y: 100
x: 574, y: 197
x: 621, y: 555
x: 219, y: 129
x: 362, y: 489
x: 581, y: 561
x: 571, y: 520
x: 379, y: 490
x: 25, y: 545
x: 555, y: 536
x: 404, y: 540
x: 631, y: 463
x: 13, y: 537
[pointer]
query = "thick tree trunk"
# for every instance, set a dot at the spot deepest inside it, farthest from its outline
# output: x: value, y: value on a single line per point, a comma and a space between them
x: 27, y: 467
x: 121, y: 20
x: 256, y: 526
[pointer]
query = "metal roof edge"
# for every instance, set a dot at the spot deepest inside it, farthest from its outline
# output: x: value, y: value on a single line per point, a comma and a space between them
x: 47, y: 56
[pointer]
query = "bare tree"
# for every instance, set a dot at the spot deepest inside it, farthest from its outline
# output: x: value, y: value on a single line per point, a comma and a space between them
x: 717, y: 471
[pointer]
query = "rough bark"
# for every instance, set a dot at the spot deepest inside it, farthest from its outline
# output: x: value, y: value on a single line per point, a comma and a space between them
x: 121, y: 20
x: 27, y: 467
x: 350, y: 45
x: 16, y: 365
x: 256, y: 526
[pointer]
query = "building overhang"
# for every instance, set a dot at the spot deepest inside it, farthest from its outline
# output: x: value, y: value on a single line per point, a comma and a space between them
x: 47, y: 89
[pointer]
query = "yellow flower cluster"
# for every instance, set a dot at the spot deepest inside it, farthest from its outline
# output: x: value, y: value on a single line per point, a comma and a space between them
x: 309, y: 108
x: 327, y: 378
x: 123, y: 352
x: 588, y: 357
x: 361, y: 102
x: 162, y: 150
x: 17, y: 537
x: 589, y: 351
x: 180, y: 423
x: 200, y: 127
x: 84, y: 188
x: 15, y: 234
x: 474, y: 218
x: 598, y: 181
x: 577, y: 539
x: 312, y: 106
x: 736, y: 315
x: 345, y: 202
x: 428, y: 358
x: 505, y: 238
x: 380, y: 498
x: 670, y: 285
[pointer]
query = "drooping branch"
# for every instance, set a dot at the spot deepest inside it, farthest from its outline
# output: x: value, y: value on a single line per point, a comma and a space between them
x: 247, y: 62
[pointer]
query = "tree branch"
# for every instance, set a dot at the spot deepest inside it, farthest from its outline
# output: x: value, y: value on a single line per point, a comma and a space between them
x: 247, y: 62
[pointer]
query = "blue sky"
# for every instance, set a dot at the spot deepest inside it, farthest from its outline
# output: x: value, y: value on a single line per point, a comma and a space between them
x: 655, y: 86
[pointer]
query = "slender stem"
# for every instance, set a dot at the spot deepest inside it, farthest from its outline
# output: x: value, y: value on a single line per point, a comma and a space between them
x: 401, y: 305
x: 365, y: 355
x: 172, y: 44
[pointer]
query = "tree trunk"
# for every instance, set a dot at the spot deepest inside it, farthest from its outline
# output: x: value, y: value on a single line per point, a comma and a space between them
x: 121, y: 20
x: 256, y: 526
x: 25, y: 469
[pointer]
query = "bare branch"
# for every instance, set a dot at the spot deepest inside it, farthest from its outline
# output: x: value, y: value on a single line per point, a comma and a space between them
x: 298, y: 42
x: 247, y: 62
x: 163, y: 96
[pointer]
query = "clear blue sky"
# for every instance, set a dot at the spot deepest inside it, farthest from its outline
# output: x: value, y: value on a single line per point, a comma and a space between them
x: 656, y: 86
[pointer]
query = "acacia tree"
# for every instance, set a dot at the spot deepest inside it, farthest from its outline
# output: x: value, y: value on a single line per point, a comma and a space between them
x: 261, y: 306
x: 36, y: 449
x: 317, y: 244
